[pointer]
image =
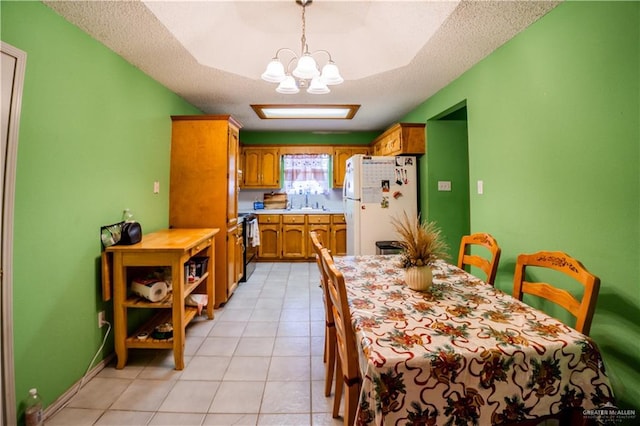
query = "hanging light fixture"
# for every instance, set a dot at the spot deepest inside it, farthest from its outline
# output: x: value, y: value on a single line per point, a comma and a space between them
x: 306, y: 72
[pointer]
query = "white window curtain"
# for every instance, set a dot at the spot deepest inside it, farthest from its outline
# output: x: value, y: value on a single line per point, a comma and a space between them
x: 306, y: 173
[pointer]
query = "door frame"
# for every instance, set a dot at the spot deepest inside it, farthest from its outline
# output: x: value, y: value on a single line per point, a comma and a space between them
x: 11, y: 107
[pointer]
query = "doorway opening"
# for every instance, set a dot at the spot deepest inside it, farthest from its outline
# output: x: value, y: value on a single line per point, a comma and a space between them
x: 448, y: 190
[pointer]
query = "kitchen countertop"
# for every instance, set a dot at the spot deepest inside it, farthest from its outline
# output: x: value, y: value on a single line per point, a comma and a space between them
x: 295, y: 211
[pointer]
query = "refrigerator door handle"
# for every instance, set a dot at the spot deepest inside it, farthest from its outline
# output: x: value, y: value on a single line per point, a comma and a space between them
x: 344, y: 184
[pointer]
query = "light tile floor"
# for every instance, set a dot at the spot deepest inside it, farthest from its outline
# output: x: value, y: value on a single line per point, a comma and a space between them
x: 259, y: 362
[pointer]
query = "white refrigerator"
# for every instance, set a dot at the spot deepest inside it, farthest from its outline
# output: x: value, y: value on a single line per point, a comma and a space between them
x: 376, y: 189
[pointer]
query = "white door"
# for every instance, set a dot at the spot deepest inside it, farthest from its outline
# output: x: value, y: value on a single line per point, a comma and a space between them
x: 12, y: 77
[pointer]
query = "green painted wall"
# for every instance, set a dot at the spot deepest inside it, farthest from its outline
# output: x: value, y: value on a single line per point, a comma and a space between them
x: 554, y: 131
x: 95, y: 134
x: 304, y: 138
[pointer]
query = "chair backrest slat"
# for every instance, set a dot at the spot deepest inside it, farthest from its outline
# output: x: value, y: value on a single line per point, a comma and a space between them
x: 582, y: 309
x: 488, y: 266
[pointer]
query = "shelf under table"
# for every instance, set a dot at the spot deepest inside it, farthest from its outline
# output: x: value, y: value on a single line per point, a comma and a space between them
x: 148, y: 327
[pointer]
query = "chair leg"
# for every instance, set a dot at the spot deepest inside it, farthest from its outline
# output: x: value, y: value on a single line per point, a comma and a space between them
x: 351, y: 404
x: 326, y: 344
x: 337, y: 397
x: 330, y: 354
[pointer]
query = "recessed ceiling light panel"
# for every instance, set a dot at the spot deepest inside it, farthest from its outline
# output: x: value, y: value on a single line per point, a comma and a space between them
x: 293, y: 112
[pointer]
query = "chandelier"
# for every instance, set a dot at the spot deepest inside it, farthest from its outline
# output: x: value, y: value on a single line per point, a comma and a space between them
x: 306, y: 72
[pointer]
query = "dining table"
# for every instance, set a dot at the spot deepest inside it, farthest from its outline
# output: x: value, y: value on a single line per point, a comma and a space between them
x: 462, y: 352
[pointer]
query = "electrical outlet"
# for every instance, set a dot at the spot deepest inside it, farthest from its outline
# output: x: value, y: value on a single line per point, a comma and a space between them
x: 444, y: 185
x: 101, y: 319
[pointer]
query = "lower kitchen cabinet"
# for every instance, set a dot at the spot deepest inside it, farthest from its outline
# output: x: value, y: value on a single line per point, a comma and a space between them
x: 338, y: 235
x: 321, y: 225
x: 240, y: 248
x: 234, y: 259
x: 286, y: 236
x: 294, y: 236
x: 270, y: 247
x: 323, y: 232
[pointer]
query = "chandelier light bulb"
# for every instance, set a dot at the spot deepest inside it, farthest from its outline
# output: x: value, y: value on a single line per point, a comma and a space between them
x: 288, y: 86
x: 318, y: 87
x: 306, y: 68
x: 330, y: 74
x: 274, y: 72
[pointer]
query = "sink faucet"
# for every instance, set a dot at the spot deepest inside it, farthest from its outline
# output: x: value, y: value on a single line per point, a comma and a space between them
x: 306, y: 199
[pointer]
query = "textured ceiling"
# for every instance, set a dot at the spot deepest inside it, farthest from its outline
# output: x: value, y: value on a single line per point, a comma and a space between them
x: 392, y: 54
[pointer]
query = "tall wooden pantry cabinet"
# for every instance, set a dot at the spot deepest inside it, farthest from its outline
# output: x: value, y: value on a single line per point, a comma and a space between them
x: 204, y: 188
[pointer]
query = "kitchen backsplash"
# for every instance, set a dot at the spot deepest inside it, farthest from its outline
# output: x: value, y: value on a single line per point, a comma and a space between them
x: 331, y: 201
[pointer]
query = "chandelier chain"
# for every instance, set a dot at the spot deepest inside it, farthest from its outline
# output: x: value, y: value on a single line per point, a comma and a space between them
x: 305, y: 48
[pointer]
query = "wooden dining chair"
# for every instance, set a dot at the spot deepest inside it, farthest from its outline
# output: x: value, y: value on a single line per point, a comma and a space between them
x: 329, y: 326
x: 488, y: 266
x: 581, y: 309
x: 347, y: 367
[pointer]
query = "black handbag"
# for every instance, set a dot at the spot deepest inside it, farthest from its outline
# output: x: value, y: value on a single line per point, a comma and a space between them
x: 131, y: 233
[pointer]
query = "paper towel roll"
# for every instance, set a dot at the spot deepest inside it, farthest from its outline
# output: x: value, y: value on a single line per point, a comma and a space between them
x: 153, y: 292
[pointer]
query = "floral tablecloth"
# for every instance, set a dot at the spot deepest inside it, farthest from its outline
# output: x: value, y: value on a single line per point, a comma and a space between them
x: 462, y: 352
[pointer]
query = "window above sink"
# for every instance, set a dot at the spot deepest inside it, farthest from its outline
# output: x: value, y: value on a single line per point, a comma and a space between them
x: 306, y: 174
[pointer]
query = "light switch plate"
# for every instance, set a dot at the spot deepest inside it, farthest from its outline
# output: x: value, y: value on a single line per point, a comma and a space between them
x: 480, y: 187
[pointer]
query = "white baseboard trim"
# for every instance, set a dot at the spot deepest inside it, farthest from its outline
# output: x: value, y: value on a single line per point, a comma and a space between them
x: 66, y: 397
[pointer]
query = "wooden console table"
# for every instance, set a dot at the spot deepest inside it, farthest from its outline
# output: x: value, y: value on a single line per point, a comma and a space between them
x: 169, y: 248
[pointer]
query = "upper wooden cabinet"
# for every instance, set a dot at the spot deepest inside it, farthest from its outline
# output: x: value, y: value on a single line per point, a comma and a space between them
x: 340, y: 156
x: 233, y: 177
x: 260, y: 167
x: 401, y: 139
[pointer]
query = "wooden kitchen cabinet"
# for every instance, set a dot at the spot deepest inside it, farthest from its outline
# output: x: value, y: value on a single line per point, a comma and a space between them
x: 401, y: 139
x: 321, y: 225
x: 270, y: 247
x: 260, y: 167
x: 340, y: 156
x: 232, y: 259
x: 203, y: 189
x: 239, y: 248
x: 338, y: 239
x: 168, y: 248
x: 294, y: 236
x: 286, y: 236
x: 233, y: 177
